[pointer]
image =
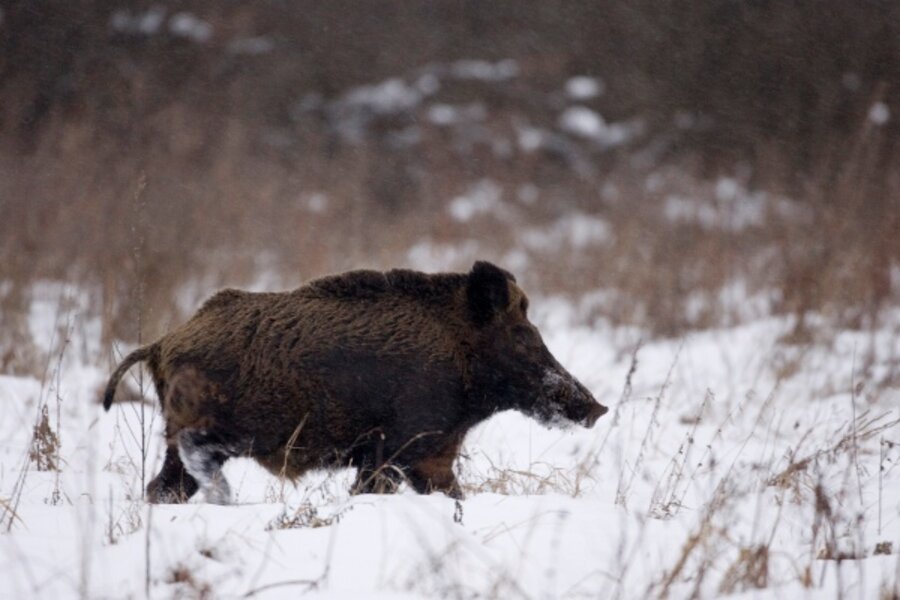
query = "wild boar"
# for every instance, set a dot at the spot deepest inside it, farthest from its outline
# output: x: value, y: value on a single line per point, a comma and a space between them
x: 385, y: 372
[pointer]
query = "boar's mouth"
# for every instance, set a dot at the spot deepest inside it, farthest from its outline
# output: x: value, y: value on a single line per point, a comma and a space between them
x: 565, y: 401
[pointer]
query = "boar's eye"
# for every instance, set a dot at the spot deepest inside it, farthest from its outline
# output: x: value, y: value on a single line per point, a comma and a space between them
x: 523, y: 305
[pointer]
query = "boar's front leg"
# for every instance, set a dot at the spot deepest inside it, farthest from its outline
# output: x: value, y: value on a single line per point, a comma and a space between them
x: 434, y: 473
x: 374, y: 475
x: 383, y: 480
x: 425, y: 479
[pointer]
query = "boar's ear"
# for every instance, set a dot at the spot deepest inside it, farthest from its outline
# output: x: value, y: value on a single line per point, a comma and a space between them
x: 487, y: 291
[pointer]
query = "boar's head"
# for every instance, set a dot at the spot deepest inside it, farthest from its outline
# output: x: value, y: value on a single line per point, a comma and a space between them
x: 511, y: 367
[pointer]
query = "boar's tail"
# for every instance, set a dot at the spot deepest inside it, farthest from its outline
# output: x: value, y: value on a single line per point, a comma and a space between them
x: 136, y: 356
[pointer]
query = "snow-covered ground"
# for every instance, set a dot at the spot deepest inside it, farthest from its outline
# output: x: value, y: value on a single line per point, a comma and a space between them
x: 730, y: 463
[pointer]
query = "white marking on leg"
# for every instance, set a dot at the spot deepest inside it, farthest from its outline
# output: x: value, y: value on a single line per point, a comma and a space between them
x: 204, y: 463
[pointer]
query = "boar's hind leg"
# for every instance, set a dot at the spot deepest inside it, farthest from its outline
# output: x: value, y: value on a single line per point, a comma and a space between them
x: 173, y: 485
x: 203, y: 454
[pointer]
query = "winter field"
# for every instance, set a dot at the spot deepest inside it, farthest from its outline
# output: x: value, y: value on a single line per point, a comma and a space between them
x: 703, y: 206
x: 730, y: 463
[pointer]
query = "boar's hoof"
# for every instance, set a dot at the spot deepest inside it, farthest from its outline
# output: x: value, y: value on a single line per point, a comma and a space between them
x: 385, y: 480
x: 162, y: 495
x: 443, y: 482
x: 173, y: 485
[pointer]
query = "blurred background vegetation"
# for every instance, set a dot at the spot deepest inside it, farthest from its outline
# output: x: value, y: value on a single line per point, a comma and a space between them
x: 665, y: 165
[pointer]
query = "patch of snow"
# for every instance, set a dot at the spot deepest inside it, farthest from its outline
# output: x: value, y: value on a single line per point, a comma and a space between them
x: 582, y: 87
x: 353, y: 111
x: 147, y: 22
x: 586, y: 123
x: 687, y: 210
x: 583, y: 121
x: 727, y: 189
x: 433, y: 257
x: 388, y: 97
x: 575, y: 231
x: 483, y: 70
x: 879, y: 113
x: 515, y: 261
x: 530, y: 139
x: 483, y: 198
x: 316, y: 203
x: 446, y: 114
x: 734, y: 208
x: 585, y: 230
x: 187, y: 25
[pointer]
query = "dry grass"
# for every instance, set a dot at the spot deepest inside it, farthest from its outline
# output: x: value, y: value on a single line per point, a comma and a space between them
x: 44, y: 451
x: 187, y: 586
x: 244, y: 186
x: 864, y: 427
x: 151, y: 173
x: 305, y: 516
x: 539, y: 478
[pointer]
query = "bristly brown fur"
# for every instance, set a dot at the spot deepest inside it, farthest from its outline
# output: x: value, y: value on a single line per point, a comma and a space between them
x: 381, y: 368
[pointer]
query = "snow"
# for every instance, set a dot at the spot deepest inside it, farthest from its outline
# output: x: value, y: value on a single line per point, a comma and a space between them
x: 390, y: 96
x: 352, y: 112
x: 687, y: 474
x: 879, y: 113
x: 146, y: 23
x: 586, y: 123
x: 446, y: 114
x: 582, y: 121
x: 316, y: 202
x: 188, y: 25
x: 150, y: 22
x: 732, y: 207
x: 583, y: 87
x: 530, y: 139
x: 575, y: 230
x: 432, y: 256
x: 483, y: 198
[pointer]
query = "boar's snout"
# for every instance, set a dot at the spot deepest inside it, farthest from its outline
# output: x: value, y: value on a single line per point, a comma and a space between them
x: 597, y: 411
x: 569, y: 400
